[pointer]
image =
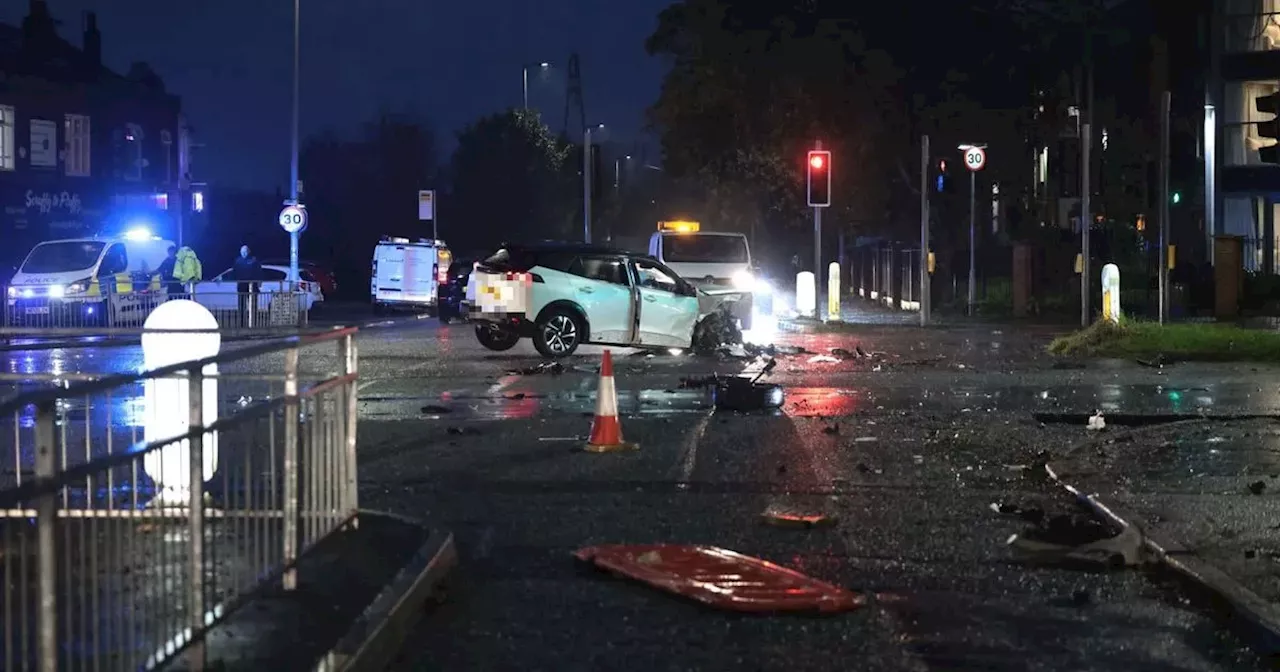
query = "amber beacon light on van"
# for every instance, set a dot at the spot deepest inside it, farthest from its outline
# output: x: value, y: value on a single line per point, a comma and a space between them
x: 679, y: 226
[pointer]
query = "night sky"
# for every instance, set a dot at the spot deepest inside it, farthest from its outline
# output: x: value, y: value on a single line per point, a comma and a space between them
x: 230, y: 60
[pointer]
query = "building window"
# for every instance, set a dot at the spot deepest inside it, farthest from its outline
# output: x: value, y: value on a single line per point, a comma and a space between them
x: 6, y: 137
x: 44, y: 144
x: 76, y: 136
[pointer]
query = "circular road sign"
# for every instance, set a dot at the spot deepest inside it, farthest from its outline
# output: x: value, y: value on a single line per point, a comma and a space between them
x: 293, y: 218
x: 975, y: 158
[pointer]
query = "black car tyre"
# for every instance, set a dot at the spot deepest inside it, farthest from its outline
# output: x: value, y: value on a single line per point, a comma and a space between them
x: 497, y: 339
x: 558, y: 333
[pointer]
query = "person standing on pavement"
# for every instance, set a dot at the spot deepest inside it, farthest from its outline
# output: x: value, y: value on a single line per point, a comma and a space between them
x: 174, y: 289
x: 247, y: 271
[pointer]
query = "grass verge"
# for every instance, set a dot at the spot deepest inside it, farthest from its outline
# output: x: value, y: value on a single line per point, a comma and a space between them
x: 1183, y: 342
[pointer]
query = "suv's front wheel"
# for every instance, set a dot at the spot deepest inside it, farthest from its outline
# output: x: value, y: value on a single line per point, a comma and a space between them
x: 558, y: 333
x: 498, y: 339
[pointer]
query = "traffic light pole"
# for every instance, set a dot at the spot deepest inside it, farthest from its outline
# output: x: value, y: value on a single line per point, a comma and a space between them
x: 1086, y: 143
x: 817, y: 236
x: 924, y: 231
x: 1163, y: 273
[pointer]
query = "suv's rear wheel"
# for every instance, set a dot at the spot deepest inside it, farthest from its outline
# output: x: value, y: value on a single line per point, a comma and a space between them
x: 495, y: 338
x: 558, y: 333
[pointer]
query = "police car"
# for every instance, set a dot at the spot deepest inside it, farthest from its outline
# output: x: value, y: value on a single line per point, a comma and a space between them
x: 564, y: 295
x: 88, y: 281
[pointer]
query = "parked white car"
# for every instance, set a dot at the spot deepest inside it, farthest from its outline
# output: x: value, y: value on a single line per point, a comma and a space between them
x: 564, y: 295
x: 220, y: 292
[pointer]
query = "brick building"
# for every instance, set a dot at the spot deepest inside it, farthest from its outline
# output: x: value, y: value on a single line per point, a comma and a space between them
x: 84, y: 150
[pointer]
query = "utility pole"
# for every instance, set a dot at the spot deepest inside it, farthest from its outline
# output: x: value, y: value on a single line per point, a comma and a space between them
x: 1086, y: 222
x: 924, y: 231
x: 1166, y: 102
x: 293, y: 162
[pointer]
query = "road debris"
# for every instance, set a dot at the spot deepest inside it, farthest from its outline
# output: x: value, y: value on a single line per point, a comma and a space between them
x: 1080, y: 541
x: 722, y: 578
x: 823, y: 359
x: 432, y: 409
x: 1258, y: 487
x: 1096, y: 422
x: 550, y: 367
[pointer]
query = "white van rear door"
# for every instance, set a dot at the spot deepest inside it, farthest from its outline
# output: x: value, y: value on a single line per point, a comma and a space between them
x: 419, y: 273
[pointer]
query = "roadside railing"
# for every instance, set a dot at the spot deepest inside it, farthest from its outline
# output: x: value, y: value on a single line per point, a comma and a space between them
x: 111, y: 559
x: 233, y: 310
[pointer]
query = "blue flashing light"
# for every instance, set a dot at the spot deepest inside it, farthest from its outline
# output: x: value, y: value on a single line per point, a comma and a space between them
x: 942, y: 181
x: 138, y: 233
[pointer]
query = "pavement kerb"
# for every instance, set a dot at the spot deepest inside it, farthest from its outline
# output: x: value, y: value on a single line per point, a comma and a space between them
x: 379, y: 632
x: 1252, y: 618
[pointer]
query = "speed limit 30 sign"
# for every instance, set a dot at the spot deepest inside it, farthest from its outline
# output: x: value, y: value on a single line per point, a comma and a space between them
x: 293, y: 218
x: 975, y: 158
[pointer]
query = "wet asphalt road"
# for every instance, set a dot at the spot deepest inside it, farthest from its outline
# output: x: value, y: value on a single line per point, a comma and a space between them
x: 906, y: 450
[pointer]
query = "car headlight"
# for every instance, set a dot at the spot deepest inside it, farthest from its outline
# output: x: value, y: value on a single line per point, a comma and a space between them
x: 77, y: 287
x: 13, y: 292
x: 55, y: 291
x: 744, y: 280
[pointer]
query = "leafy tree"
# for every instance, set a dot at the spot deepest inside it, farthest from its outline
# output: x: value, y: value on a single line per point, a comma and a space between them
x: 512, y: 180
x: 751, y: 87
x: 360, y: 188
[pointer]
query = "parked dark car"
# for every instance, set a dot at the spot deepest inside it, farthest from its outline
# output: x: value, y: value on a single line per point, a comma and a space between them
x: 454, y: 290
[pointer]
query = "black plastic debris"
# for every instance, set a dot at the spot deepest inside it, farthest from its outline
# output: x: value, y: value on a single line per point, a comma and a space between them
x: 1258, y: 487
x: 843, y: 353
x: 463, y: 431
x: 714, y: 331
x: 550, y: 367
x: 432, y: 409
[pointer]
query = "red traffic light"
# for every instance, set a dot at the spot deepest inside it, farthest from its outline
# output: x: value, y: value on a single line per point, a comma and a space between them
x: 818, y: 178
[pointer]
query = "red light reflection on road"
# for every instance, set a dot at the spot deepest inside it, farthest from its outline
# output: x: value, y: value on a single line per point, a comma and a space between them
x: 808, y: 402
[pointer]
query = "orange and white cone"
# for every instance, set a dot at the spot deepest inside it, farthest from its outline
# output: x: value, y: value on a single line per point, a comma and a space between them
x: 606, y: 431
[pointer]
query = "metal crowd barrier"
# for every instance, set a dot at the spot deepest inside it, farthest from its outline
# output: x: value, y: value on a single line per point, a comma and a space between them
x: 233, y: 310
x: 110, y: 560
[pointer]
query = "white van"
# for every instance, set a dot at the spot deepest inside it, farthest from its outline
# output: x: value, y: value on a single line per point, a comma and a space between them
x: 408, y: 274
x: 716, y: 263
x: 85, y: 279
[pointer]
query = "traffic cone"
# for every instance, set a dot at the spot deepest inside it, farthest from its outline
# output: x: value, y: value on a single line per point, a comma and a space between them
x: 606, y: 432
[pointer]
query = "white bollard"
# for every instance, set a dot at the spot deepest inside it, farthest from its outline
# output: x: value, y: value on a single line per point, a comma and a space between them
x: 1111, y: 293
x: 166, y: 407
x: 806, y: 294
x: 833, y: 291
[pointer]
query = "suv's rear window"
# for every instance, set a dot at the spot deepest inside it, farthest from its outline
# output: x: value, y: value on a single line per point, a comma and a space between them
x: 520, y: 260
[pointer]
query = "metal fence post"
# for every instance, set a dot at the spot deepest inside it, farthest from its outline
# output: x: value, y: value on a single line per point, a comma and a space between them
x: 46, y: 519
x: 195, y: 515
x: 350, y: 366
x: 291, y: 409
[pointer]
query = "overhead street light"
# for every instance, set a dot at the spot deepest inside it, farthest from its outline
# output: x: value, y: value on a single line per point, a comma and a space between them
x: 543, y: 65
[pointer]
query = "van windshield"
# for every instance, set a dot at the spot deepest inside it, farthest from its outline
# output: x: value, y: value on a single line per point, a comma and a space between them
x: 63, y: 256
x: 704, y: 249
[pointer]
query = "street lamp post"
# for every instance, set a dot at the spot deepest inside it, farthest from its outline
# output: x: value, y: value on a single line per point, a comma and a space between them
x: 293, y: 162
x: 524, y: 71
x: 586, y: 182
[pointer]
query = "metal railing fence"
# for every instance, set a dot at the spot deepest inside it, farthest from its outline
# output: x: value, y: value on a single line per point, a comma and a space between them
x: 111, y: 559
x: 233, y: 310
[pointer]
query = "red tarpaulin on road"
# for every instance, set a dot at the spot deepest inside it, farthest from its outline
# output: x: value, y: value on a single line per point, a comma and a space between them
x: 722, y: 578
